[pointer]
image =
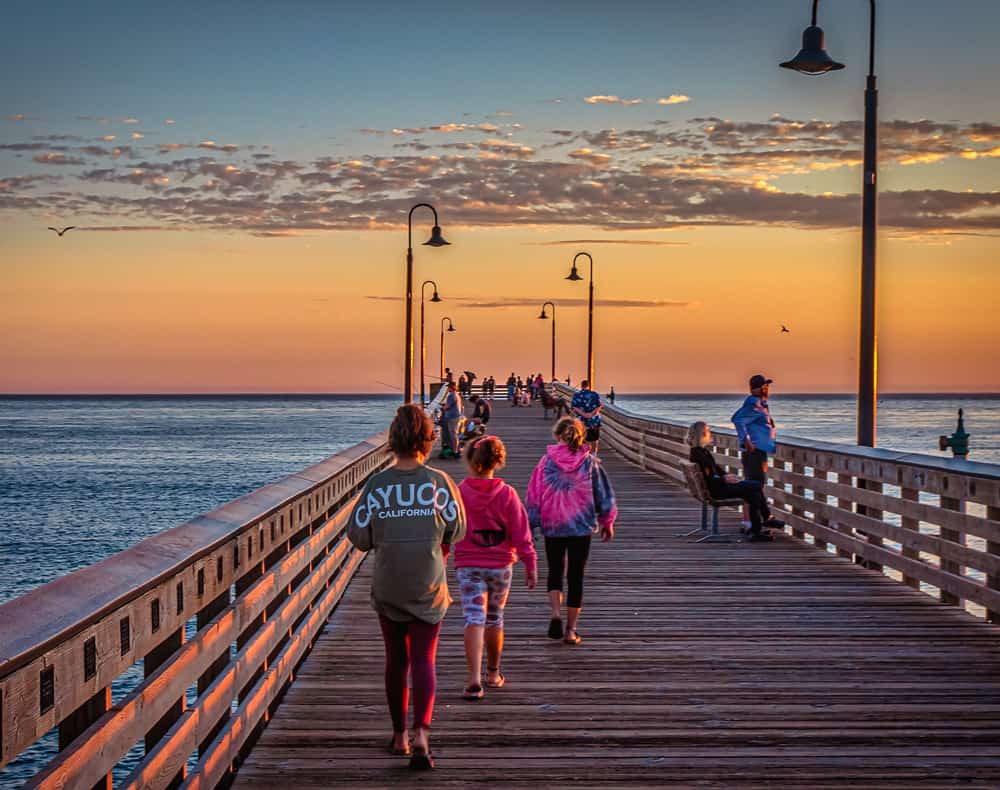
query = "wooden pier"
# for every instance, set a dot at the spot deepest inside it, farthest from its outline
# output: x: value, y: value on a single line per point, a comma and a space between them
x: 857, y: 649
x: 702, y: 664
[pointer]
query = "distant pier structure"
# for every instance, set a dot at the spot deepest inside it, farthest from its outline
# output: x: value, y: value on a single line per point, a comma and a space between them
x: 861, y: 647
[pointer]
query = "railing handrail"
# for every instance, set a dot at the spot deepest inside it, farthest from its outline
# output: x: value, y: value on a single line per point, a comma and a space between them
x: 980, y: 469
x: 35, y: 622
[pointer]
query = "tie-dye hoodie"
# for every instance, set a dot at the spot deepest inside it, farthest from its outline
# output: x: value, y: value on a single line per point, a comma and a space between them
x: 570, y: 494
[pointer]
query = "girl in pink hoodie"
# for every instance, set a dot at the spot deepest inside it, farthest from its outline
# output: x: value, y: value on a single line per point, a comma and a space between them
x: 498, y: 535
x: 569, y: 499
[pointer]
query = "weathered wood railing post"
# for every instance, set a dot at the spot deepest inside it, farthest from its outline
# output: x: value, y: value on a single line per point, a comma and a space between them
x: 993, y: 577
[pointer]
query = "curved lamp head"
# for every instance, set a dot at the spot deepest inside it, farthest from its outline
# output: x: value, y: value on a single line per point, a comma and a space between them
x: 574, y: 274
x: 436, y: 298
x: 543, y: 316
x: 812, y: 59
x: 451, y: 327
x: 436, y: 239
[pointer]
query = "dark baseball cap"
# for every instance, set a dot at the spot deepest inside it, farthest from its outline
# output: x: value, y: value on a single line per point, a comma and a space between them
x: 759, y: 381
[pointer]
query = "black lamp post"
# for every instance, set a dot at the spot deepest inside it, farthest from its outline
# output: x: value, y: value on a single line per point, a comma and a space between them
x: 574, y: 275
x: 543, y: 316
x: 423, y: 345
x: 451, y: 328
x: 813, y: 59
x: 436, y: 240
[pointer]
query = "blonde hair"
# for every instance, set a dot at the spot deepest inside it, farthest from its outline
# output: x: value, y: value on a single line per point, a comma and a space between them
x: 569, y: 431
x: 696, y: 434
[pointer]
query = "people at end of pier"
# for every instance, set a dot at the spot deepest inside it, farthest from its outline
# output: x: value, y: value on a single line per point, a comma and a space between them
x: 569, y: 499
x: 726, y: 486
x: 611, y: 396
x: 586, y: 405
x: 482, y: 410
x: 539, y: 386
x: 511, y: 386
x: 451, y: 415
x: 409, y: 515
x: 448, y: 376
x: 462, y: 384
x: 498, y: 536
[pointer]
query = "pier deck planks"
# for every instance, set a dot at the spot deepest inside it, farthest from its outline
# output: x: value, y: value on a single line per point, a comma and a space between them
x: 702, y: 664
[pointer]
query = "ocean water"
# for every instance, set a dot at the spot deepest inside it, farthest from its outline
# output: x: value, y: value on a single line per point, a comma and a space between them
x: 82, y: 478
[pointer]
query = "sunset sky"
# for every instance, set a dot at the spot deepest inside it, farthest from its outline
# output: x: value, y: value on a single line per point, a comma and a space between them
x: 240, y: 174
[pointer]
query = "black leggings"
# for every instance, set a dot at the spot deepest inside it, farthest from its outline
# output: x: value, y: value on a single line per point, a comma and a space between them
x: 751, y: 492
x: 556, y: 551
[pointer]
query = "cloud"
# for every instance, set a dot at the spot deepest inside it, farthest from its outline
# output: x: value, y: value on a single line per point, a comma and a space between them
x: 137, y: 135
x: 169, y: 122
x: 57, y: 159
x: 534, y: 301
x: 611, y: 100
x: 598, y: 160
x: 581, y: 242
x: 130, y: 120
x: 674, y: 98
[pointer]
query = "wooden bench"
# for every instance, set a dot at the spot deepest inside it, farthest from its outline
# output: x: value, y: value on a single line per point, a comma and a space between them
x: 699, y: 490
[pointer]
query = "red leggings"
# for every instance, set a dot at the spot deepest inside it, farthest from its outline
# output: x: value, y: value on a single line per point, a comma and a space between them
x: 410, y: 648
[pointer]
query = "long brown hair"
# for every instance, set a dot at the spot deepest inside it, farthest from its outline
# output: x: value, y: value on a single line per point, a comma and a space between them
x: 570, y: 432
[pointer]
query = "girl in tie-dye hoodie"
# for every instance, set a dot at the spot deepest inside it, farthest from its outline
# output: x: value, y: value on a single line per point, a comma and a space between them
x: 569, y: 499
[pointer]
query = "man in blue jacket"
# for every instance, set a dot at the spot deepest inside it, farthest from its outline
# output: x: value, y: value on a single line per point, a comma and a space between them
x: 755, y: 430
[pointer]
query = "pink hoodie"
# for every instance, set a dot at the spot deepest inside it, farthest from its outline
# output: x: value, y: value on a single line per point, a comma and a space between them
x: 498, y: 534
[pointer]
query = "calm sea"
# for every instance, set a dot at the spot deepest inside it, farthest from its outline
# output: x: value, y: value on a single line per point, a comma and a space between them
x: 82, y: 478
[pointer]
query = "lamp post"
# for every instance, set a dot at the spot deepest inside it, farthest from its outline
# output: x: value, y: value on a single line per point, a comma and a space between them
x: 451, y: 328
x: 812, y: 59
x: 544, y: 316
x: 423, y: 345
x: 436, y: 240
x: 574, y: 275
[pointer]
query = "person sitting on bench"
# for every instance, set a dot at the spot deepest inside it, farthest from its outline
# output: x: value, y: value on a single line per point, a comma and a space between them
x: 725, y: 486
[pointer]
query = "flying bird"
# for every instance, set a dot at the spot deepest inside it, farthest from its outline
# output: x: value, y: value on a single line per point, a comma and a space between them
x: 61, y: 232
x: 785, y: 329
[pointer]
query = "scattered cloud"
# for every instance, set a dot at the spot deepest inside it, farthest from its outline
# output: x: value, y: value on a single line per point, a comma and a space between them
x: 674, y: 98
x: 130, y: 120
x: 137, y: 135
x: 611, y: 100
x: 596, y: 159
x: 51, y: 158
x: 534, y: 301
x: 169, y: 122
x: 581, y: 242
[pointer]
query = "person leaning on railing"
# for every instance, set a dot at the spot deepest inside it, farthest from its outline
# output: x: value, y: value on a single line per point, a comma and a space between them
x: 409, y: 515
x: 725, y: 486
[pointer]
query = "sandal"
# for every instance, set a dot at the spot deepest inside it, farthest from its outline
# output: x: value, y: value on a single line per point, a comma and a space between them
x: 421, y: 760
x: 575, y: 639
x: 499, y: 683
x: 473, y: 693
x: 397, y: 752
x: 555, y: 628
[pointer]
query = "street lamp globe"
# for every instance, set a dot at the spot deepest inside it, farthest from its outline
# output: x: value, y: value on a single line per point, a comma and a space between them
x: 812, y: 59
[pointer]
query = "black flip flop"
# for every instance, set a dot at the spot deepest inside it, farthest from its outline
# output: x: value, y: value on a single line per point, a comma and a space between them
x: 473, y: 693
x: 555, y: 628
x: 421, y: 760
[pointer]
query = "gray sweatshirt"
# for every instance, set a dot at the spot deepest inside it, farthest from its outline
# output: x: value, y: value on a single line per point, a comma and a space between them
x: 404, y: 516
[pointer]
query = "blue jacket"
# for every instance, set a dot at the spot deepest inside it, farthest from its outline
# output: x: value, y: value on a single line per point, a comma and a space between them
x: 754, y: 418
x: 452, y: 408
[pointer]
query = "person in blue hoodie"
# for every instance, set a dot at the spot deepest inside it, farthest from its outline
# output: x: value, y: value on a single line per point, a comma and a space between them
x: 755, y: 430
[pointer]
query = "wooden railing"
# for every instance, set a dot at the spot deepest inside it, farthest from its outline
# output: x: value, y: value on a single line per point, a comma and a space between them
x: 220, y: 611
x: 930, y: 523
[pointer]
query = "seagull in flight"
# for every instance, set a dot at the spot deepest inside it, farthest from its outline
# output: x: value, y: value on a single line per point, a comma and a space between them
x: 785, y: 329
x: 61, y: 232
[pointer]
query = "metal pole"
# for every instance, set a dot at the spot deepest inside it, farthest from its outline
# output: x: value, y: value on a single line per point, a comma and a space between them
x: 868, y: 353
x: 590, y: 328
x: 553, y: 377
x: 408, y: 347
x: 423, y: 347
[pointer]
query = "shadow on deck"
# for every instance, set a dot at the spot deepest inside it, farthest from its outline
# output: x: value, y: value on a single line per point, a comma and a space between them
x: 710, y: 664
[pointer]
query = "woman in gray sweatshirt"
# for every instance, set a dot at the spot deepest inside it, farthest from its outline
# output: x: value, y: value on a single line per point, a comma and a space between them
x: 408, y: 515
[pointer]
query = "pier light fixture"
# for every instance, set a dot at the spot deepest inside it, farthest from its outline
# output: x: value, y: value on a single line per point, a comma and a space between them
x: 436, y: 240
x: 451, y: 328
x: 574, y: 275
x: 423, y: 345
x: 543, y: 316
x: 813, y: 59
